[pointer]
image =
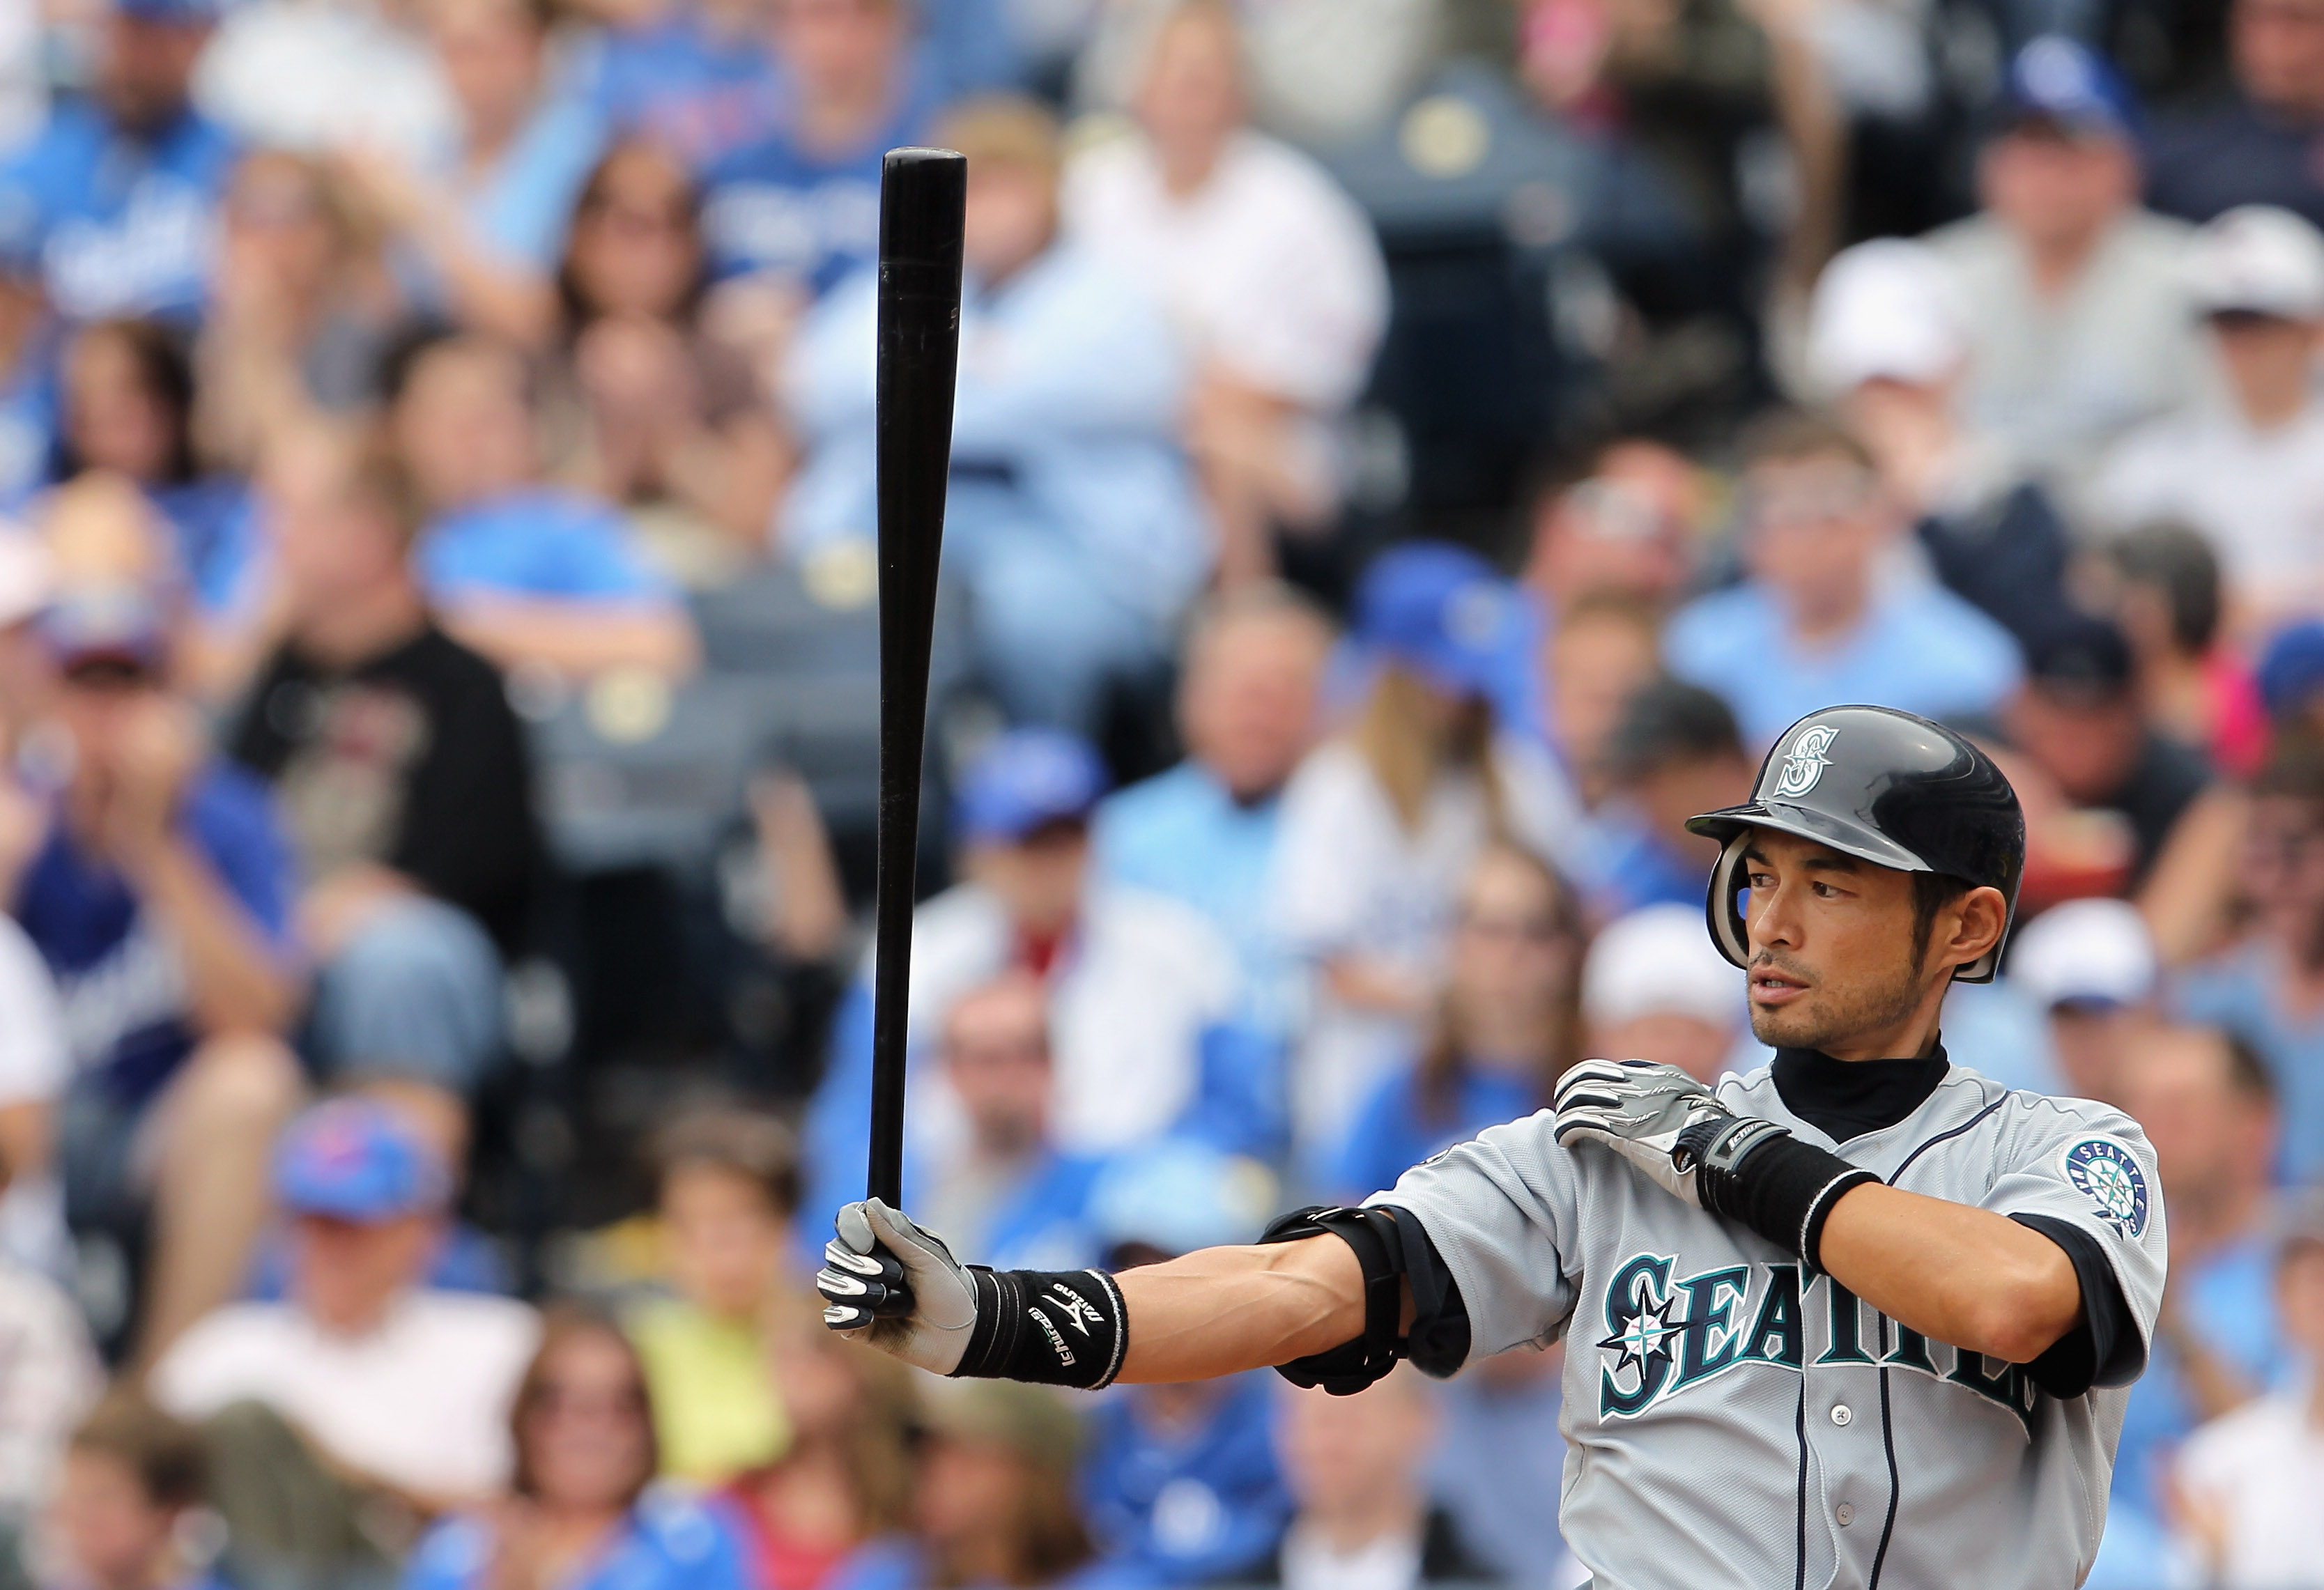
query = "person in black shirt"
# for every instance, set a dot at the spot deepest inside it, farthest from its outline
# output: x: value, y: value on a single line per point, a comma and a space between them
x: 2262, y: 143
x: 402, y: 774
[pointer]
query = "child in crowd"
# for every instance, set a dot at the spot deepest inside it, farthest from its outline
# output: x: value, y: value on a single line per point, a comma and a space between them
x: 129, y: 1503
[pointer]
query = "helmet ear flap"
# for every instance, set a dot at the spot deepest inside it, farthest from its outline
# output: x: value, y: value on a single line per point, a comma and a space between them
x: 1722, y: 907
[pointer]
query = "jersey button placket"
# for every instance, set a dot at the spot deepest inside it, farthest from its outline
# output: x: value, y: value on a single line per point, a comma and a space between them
x: 1841, y: 1413
x: 1845, y: 1513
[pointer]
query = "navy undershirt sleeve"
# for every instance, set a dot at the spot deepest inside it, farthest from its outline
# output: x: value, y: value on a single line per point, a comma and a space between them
x: 2105, y: 1349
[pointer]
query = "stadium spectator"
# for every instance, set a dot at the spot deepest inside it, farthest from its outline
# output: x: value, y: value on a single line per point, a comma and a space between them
x: 1821, y: 618
x: 671, y: 423
x: 794, y: 212
x: 2244, y: 472
x: 1656, y: 988
x: 158, y: 892
x: 29, y: 339
x: 317, y: 79
x: 2165, y: 595
x: 994, y: 1504
x: 2089, y: 967
x: 1180, y: 1482
x: 476, y: 229
x: 403, y: 778
x: 2255, y: 143
x: 1889, y: 339
x: 1147, y: 1017
x: 296, y: 325
x: 832, y: 1509
x: 1622, y: 531
x: 1506, y: 1027
x: 697, y: 78
x: 1500, y: 1452
x: 2265, y: 988
x: 2207, y: 1105
x: 1073, y: 520
x: 117, y: 195
x: 2076, y: 301
x: 1603, y: 651
x: 524, y: 572
x: 1013, y: 1197
x: 1382, y: 823
x: 579, y: 1512
x: 2243, y: 1480
x: 129, y: 1493
x: 1355, y: 1467
x: 1265, y: 267
x: 1205, y: 831
x: 364, y: 1389
x: 2076, y: 715
x: 727, y: 1188
x: 1673, y: 750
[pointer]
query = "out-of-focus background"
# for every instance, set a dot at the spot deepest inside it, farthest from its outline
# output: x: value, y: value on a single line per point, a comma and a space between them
x: 1411, y: 454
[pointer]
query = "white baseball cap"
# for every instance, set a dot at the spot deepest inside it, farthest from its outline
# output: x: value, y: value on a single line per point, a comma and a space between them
x: 2086, y: 952
x: 27, y: 575
x: 1659, y: 960
x: 2259, y: 260
x: 1885, y: 309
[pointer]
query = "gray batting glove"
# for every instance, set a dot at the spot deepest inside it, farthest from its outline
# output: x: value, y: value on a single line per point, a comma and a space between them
x: 1655, y: 1116
x: 887, y: 1281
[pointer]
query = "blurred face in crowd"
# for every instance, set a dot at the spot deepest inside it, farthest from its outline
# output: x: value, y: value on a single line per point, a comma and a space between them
x: 996, y: 1053
x: 2300, y: 1297
x: 330, y: 543
x: 2055, y: 188
x: 143, y: 68
x: 1816, y: 524
x: 814, y: 1377
x: 2210, y: 1137
x: 491, y: 51
x: 2270, y: 362
x: 465, y: 424
x: 2283, y: 869
x: 2091, y: 1041
x: 1676, y: 787
x: 1248, y: 703
x: 281, y: 231
x: 1347, y: 1456
x: 118, y: 1537
x: 2278, y: 47
x: 1514, y: 954
x: 970, y: 1490
x: 1595, y: 661
x: 588, y: 1447
x: 723, y: 1237
x: 1192, y: 99
x: 345, y: 1273
x: 1038, y: 878
x: 635, y: 250
x: 1013, y: 216
x: 1700, y: 1048
x: 840, y: 48
x: 1622, y: 532
x: 1832, y: 964
x: 2086, y: 738
x: 104, y: 704
x: 114, y: 419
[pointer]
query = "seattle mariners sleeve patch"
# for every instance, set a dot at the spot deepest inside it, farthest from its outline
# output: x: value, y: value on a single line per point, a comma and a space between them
x: 2104, y: 1171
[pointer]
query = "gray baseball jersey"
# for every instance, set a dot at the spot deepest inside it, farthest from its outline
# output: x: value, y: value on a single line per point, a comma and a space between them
x: 1730, y: 1421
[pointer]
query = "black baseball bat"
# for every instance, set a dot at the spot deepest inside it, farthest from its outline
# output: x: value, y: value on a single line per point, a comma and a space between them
x: 923, y: 194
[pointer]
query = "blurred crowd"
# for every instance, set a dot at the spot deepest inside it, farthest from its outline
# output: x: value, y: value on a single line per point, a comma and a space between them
x: 1410, y: 456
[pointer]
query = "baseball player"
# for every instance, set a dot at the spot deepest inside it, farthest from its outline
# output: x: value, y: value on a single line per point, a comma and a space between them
x: 1861, y: 1317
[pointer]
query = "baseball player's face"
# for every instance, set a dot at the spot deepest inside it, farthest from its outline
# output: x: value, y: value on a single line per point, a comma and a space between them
x: 1831, y: 939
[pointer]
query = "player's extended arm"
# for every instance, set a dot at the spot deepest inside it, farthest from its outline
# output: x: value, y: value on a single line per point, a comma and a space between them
x: 1221, y: 1310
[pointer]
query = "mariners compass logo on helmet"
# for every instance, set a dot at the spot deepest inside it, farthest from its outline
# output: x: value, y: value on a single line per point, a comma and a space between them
x: 2105, y: 1173
x: 1804, y: 763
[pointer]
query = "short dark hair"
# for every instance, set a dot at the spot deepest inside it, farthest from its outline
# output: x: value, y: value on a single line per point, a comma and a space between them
x: 2177, y: 561
x: 1932, y: 892
x: 1669, y: 723
x: 745, y: 1142
x: 167, y: 1454
x: 2249, y: 1078
x: 1796, y: 435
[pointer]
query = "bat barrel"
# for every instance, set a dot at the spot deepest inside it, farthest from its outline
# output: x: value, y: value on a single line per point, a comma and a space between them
x: 923, y: 196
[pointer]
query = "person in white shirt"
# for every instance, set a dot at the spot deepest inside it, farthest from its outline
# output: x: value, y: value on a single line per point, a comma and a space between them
x: 1269, y: 272
x: 393, y: 1387
x: 1656, y: 988
x: 2248, y: 474
x: 2248, y: 1483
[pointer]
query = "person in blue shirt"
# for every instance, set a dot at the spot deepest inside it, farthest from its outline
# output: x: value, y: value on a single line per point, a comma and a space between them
x: 160, y: 896
x: 798, y: 209
x: 1073, y: 518
x: 584, y: 1513
x: 1823, y: 614
x: 1203, y: 832
x: 1674, y: 746
x: 519, y: 570
x: 697, y: 78
x: 119, y: 195
x: 1507, y: 1024
x: 1180, y: 1482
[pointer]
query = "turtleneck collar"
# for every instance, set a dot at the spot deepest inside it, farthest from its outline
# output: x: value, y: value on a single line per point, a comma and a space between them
x: 1845, y: 1098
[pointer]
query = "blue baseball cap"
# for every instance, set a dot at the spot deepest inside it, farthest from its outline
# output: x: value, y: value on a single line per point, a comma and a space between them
x: 2291, y: 669
x: 352, y: 1159
x: 1442, y: 609
x: 2055, y: 78
x: 1026, y: 780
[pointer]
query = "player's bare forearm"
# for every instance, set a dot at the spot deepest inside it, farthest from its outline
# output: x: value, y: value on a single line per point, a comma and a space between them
x: 1224, y: 1309
x: 1958, y: 1274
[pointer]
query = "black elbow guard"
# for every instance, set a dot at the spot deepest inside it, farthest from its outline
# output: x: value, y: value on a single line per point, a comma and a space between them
x: 1385, y: 1247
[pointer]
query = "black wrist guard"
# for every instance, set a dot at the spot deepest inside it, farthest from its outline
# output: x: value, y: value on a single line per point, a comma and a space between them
x: 1386, y: 1243
x: 1060, y: 1328
x: 1770, y: 1182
